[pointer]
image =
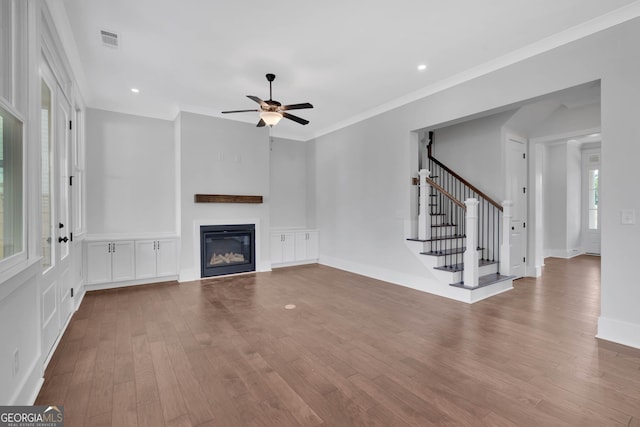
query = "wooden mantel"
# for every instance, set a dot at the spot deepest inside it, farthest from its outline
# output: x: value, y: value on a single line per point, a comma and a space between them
x: 225, y: 198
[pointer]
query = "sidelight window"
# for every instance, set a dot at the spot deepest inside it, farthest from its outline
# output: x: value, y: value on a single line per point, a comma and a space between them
x: 11, y: 185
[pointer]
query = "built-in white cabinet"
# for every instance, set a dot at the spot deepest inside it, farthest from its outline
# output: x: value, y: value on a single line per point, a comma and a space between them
x: 110, y: 261
x: 132, y: 261
x: 291, y: 247
x: 283, y: 247
x: 306, y: 245
x: 156, y: 258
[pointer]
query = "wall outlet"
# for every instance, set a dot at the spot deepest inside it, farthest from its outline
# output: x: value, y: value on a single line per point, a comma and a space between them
x: 16, y: 363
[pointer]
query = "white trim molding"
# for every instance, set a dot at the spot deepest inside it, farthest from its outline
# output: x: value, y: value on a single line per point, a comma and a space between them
x: 619, y: 331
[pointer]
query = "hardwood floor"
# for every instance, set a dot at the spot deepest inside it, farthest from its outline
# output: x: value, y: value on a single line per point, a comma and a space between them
x: 354, y: 352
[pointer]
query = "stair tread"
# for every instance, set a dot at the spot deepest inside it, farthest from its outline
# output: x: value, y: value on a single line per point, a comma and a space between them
x: 435, y: 239
x: 486, y: 280
x: 460, y: 267
x: 445, y: 252
x: 451, y: 237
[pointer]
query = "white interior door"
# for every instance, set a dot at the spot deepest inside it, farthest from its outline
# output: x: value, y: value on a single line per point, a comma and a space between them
x: 55, y: 144
x: 516, y: 168
x: 591, y: 201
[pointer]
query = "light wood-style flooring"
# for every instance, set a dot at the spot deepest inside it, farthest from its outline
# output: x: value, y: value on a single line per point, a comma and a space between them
x: 354, y: 352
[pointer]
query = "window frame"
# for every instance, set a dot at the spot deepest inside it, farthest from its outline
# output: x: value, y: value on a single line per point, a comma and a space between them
x: 19, y: 257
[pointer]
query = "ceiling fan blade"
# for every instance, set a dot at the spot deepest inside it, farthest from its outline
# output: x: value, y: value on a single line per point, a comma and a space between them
x: 296, y: 106
x: 238, y: 111
x: 295, y: 118
x: 261, y: 123
x: 258, y: 100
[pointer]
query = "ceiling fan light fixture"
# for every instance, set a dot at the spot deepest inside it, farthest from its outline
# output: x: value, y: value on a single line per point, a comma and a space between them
x: 271, y: 117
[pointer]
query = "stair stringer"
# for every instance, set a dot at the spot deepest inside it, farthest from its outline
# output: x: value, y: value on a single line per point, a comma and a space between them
x: 441, y: 285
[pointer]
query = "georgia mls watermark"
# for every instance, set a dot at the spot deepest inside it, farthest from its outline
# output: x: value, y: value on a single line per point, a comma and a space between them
x: 31, y: 416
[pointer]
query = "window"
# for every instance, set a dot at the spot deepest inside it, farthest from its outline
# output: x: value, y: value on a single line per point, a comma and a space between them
x: 11, y: 194
x: 593, y: 199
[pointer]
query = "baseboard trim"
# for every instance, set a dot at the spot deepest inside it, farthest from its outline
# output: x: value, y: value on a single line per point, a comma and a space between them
x: 294, y: 263
x: 419, y: 283
x: 114, y: 285
x: 619, y: 331
x: 562, y: 253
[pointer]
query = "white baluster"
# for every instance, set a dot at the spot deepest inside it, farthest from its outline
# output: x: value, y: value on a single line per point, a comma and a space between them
x: 424, y: 213
x: 471, y: 270
x: 505, y: 248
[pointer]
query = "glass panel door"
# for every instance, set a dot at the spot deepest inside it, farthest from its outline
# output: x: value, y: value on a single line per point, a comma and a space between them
x: 47, y: 188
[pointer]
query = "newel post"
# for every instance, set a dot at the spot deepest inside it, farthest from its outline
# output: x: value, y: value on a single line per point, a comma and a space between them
x: 470, y: 273
x: 505, y: 248
x: 424, y: 214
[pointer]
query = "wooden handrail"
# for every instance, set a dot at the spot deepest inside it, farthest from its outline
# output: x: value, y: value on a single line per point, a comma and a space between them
x: 446, y: 193
x: 467, y: 183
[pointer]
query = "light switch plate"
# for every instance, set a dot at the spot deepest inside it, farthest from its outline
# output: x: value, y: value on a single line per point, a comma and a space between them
x: 627, y: 217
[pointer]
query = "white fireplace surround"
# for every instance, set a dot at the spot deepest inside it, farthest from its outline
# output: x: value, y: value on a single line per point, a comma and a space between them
x: 261, y: 265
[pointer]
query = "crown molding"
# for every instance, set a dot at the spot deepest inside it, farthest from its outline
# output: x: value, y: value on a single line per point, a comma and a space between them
x: 562, y: 38
x: 63, y: 28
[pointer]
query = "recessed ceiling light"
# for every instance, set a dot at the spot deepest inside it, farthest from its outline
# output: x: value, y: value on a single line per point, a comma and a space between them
x: 422, y: 67
x: 593, y: 135
x: 135, y: 90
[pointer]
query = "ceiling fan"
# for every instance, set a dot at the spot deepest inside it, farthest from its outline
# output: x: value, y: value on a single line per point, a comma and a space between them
x: 272, y: 111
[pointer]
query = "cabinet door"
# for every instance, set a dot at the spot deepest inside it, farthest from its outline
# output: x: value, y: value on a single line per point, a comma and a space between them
x: 98, y: 263
x: 313, y: 247
x: 276, y: 248
x: 167, y: 257
x: 288, y: 247
x: 123, y: 261
x: 301, y: 245
x: 145, y: 259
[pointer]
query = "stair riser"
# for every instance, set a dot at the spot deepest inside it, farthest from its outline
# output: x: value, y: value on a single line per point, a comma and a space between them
x: 445, y: 230
x: 444, y: 244
x: 456, y: 276
x: 457, y: 259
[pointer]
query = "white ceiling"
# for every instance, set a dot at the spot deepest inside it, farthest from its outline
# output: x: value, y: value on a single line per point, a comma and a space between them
x: 350, y: 59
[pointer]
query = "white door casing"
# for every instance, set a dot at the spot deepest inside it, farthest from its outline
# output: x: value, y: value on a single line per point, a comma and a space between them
x: 517, y: 192
x: 57, y: 280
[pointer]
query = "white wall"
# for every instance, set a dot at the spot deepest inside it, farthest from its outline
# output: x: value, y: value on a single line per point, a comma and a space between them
x: 219, y: 156
x: 363, y: 170
x: 562, y: 197
x: 20, y: 330
x: 131, y: 174
x: 469, y: 148
x: 289, y: 183
x: 565, y: 120
x: 555, y: 200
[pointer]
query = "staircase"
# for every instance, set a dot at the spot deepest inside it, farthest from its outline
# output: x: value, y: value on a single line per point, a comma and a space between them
x: 460, y: 226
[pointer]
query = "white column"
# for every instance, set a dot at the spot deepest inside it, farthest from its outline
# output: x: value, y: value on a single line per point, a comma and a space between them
x: 470, y: 273
x: 424, y: 214
x: 505, y: 248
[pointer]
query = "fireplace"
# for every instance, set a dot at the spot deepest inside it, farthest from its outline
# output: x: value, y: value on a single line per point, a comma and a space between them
x: 227, y: 249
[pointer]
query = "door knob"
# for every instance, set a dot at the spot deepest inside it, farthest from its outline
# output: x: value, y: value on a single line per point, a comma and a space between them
x: 60, y: 225
x: 63, y: 239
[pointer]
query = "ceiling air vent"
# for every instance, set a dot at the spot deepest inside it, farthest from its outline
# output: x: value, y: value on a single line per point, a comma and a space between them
x: 109, y: 38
